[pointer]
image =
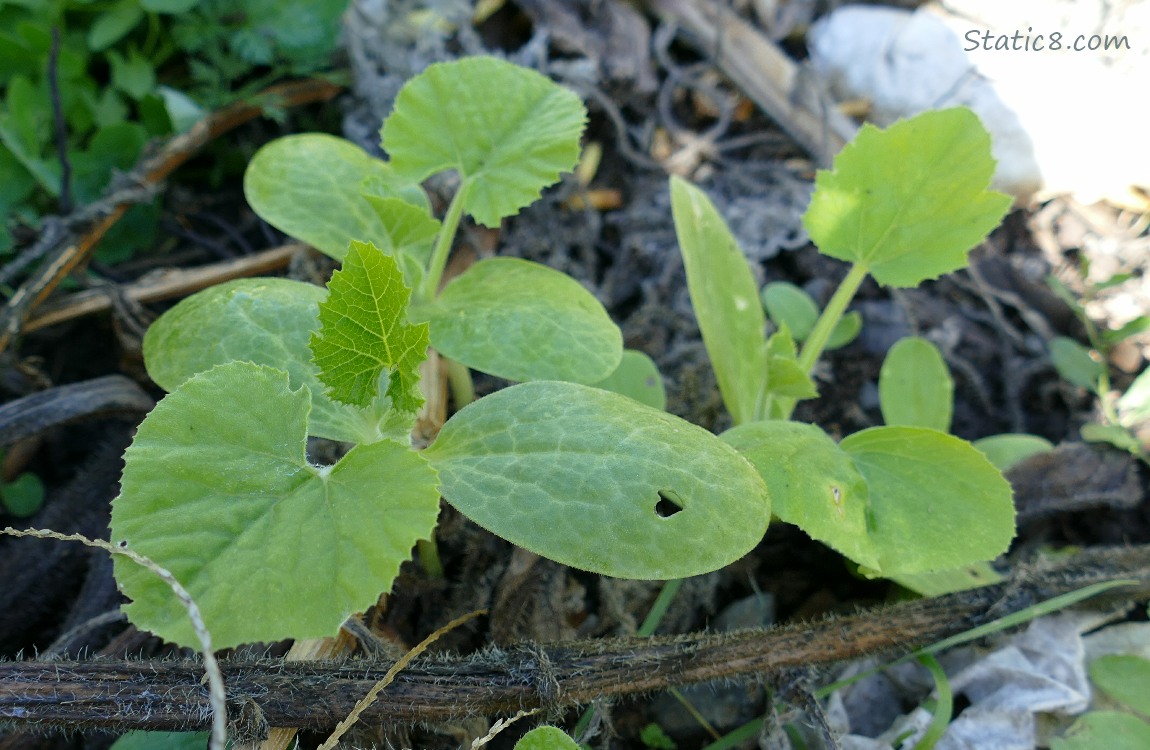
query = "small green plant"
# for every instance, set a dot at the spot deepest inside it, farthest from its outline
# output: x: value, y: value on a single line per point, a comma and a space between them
x: 218, y: 487
x: 1122, y: 679
x: 1086, y: 367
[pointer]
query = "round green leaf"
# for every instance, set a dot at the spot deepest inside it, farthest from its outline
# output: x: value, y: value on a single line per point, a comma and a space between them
x: 1124, y: 678
x: 787, y: 303
x: 813, y: 484
x: 600, y: 482
x: 524, y: 321
x: 268, y: 322
x: 1008, y: 449
x: 546, y: 738
x: 910, y: 201
x: 936, y: 501
x: 310, y: 187
x: 914, y: 386
x: 217, y: 489
x: 1105, y: 729
x: 507, y: 130
x: 637, y: 376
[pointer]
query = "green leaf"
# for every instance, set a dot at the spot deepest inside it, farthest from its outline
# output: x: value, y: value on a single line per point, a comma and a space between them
x: 943, y: 582
x: 546, y: 738
x: 23, y: 496
x: 309, y: 186
x: 523, y: 321
x: 507, y: 130
x: 168, y: 6
x: 113, y: 24
x: 936, y: 501
x: 217, y: 489
x: 1124, y: 678
x: 813, y: 484
x: 725, y: 299
x: 141, y: 740
x: 915, y: 388
x: 1075, y: 363
x: 788, y: 304
x: 269, y: 322
x: 409, y: 231
x: 1006, y: 450
x: 908, y: 202
x: 1131, y: 328
x: 846, y: 330
x: 784, y: 374
x: 364, y: 333
x: 1111, y: 434
x: 582, y: 476
x: 134, y: 74
x: 637, y: 377
x: 1104, y: 729
x: 1134, y: 404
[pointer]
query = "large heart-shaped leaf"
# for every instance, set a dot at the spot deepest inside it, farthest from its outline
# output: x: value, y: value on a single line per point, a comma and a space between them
x: 217, y: 489
x: 600, y: 482
x: 507, y: 130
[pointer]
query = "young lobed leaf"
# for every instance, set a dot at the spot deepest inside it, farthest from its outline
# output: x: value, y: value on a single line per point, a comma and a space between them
x: 269, y: 322
x: 914, y: 386
x: 597, y: 481
x: 507, y: 130
x: 364, y: 333
x: 784, y: 374
x: 725, y: 299
x: 217, y: 489
x: 908, y: 202
x: 523, y: 321
x: 309, y: 186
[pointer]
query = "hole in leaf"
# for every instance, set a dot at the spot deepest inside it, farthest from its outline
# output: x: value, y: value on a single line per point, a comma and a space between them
x: 668, y: 505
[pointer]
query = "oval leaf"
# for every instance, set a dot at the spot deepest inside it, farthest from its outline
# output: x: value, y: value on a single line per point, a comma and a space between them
x: 908, y: 202
x: 268, y: 322
x: 1074, y: 363
x: 309, y: 186
x: 914, y: 386
x: 1124, y: 678
x: 1008, y: 449
x: 599, y: 482
x: 546, y: 738
x: 217, y: 489
x: 725, y: 299
x: 507, y: 130
x: 637, y: 376
x: 813, y: 484
x: 524, y: 321
x: 936, y: 501
x: 787, y: 303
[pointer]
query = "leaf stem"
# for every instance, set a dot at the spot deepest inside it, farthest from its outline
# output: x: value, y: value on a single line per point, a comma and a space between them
x: 821, y: 334
x: 443, y: 243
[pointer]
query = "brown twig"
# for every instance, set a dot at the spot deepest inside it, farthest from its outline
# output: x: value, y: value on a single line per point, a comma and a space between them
x: 69, y: 252
x: 316, y: 695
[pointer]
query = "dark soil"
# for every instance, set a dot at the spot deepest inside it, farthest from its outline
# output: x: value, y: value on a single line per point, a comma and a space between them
x: 991, y: 322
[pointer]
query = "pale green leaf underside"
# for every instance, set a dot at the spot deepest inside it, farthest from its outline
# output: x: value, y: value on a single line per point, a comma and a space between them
x: 936, y: 501
x: 637, y: 377
x: 546, y: 738
x: 813, y: 484
x: 574, y: 473
x: 725, y: 299
x: 896, y: 500
x: 269, y: 322
x: 941, y: 582
x: 364, y: 332
x: 910, y: 201
x: 217, y: 489
x: 914, y: 385
x: 507, y: 130
x: 524, y: 321
x: 309, y: 187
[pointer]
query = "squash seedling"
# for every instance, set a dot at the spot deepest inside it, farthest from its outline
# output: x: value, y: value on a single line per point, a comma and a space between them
x: 217, y: 485
x: 902, y: 205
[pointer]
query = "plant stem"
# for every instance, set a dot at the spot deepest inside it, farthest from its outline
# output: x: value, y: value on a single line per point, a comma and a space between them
x: 443, y: 244
x: 460, y: 383
x: 821, y: 334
